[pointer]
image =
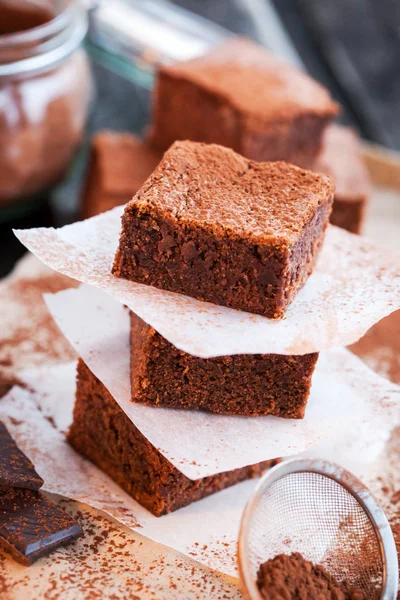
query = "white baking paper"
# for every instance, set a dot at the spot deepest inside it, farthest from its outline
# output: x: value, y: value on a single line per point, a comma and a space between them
x: 206, y: 530
x: 355, y: 284
x: 343, y: 397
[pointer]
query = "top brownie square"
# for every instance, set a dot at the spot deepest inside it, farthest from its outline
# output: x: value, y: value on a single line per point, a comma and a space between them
x: 215, y: 226
x: 241, y: 96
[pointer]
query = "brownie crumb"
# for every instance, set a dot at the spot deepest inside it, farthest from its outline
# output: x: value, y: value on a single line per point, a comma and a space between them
x: 292, y: 577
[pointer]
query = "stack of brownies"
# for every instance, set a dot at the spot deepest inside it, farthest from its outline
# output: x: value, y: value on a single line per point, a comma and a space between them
x: 218, y: 227
x: 242, y: 97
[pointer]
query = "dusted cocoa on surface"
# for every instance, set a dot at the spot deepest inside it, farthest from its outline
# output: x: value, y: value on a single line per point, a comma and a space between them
x: 243, y: 384
x: 341, y: 159
x: 292, y: 577
x: 380, y: 347
x: 103, y: 433
x: 119, y: 164
x: 212, y: 225
x: 29, y: 336
x: 241, y: 96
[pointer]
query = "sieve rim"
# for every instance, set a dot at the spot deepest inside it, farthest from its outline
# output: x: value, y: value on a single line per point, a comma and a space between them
x: 354, y: 487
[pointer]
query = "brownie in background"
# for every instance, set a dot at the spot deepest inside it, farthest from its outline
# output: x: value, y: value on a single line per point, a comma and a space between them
x: 341, y: 159
x: 119, y: 164
x: 241, y: 96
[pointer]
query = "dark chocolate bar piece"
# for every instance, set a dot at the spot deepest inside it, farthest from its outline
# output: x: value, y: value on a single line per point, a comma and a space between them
x: 16, y: 470
x: 32, y: 526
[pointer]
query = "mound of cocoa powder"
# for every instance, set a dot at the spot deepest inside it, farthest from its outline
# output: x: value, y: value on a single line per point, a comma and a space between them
x: 292, y: 577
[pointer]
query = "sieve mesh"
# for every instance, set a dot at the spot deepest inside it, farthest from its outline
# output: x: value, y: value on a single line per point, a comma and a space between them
x: 312, y: 514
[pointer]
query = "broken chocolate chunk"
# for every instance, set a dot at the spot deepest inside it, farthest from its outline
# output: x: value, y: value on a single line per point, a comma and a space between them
x: 32, y: 526
x: 16, y: 470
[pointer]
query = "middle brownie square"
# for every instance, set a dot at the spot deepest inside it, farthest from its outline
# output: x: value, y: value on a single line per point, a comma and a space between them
x: 243, y: 384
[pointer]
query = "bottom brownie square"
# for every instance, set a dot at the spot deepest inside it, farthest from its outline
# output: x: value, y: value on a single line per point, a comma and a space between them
x: 103, y: 433
x: 242, y: 384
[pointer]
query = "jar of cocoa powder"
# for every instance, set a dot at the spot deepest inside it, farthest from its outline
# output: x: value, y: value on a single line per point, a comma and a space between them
x: 45, y: 88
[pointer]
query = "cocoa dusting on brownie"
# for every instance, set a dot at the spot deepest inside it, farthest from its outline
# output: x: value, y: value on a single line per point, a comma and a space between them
x: 292, y: 577
x: 215, y: 226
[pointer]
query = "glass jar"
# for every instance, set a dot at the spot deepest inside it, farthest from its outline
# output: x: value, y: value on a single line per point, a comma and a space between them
x: 45, y: 89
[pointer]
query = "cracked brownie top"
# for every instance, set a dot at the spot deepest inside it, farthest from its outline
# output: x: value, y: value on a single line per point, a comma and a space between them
x: 213, y: 187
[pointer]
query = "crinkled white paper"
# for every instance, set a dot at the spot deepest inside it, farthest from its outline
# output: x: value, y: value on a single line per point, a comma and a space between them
x: 345, y: 397
x: 354, y: 285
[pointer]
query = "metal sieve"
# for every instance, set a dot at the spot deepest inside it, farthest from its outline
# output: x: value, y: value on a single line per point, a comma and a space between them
x: 322, y: 511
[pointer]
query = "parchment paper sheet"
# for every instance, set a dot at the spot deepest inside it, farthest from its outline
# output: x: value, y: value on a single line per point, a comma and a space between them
x: 354, y: 285
x: 346, y: 396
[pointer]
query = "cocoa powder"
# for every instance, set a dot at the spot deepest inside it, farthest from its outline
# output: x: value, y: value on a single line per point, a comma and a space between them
x: 292, y: 577
x: 29, y: 337
x: 380, y: 347
x: 43, y: 103
x: 22, y: 15
x: 112, y: 562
